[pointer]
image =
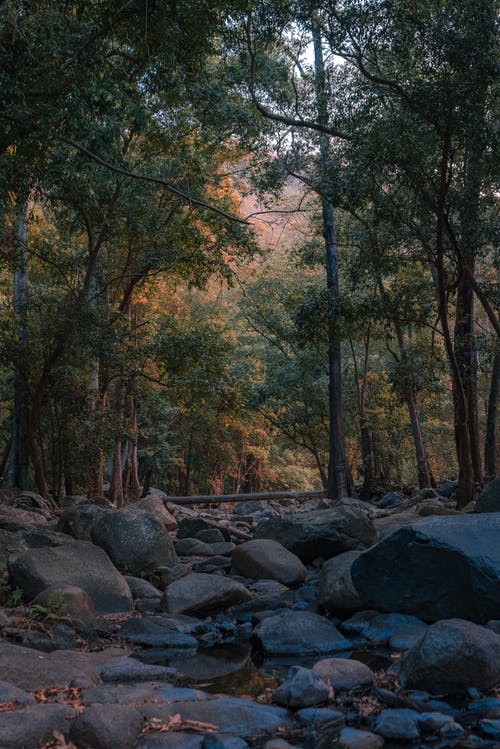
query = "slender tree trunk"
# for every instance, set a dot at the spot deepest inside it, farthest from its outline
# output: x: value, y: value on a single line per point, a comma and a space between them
x: 491, y: 442
x: 116, y: 486
x: 340, y: 483
x: 365, y: 433
x: 18, y: 462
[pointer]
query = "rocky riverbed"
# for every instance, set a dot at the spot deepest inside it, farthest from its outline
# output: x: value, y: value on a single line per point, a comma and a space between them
x: 275, y: 625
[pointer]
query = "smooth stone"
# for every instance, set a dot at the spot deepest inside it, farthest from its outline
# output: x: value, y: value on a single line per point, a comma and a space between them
x: 487, y: 707
x: 101, y: 728
x: 433, y: 722
x: 337, y: 593
x: 11, y: 693
x: 68, y: 600
x: 268, y: 559
x: 352, y: 738
x: 453, y: 656
x: 200, y: 592
x: 302, y: 688
x: 398, y: 628
x: 79, y: 564
x: 152, y: 634
x: 344, y: 674
x: 32, y: 726
x: 299, y: 633
x: 398, y: 724
x: 490, y: 727
x: 129, y: 669
x: 489, y: 499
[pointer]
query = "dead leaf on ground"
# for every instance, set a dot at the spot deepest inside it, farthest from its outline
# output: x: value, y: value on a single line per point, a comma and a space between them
x: 8, y: 707
x: 58, y: 742
x: 176, y: 723
x: 71, y: 696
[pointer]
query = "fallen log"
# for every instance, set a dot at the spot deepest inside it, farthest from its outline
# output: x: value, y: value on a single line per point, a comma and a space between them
x: 217, y: 499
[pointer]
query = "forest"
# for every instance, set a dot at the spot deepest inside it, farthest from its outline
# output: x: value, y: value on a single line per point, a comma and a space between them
x: 248, y: 246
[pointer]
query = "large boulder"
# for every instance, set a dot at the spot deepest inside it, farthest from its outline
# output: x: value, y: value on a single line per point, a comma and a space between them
x: 154, y: 504
x: 436, y: 568
x: 346, y: 526
x: 10, y: 543
x: 336, y: 589
x: 299, y: 633
x: 201, y: 592
x: 489, y: 499
x: 263, y: 558
x: 81, y: 564
x: 78, y: 520
x: 135, y: 540
x: 453, y: 656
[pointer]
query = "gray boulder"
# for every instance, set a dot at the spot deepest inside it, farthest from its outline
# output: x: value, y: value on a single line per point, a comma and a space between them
x: 489, y: 499
x: 80, y: 564
x: 10, y: 543
x: 302, y: 688
x: 267, y: 559
x: 299, y: 633
x: 69, y: 601
x: 78, y: 520
x: 154, y: 504
x: 453, y: 656
x: 101, y: 728
x: 336, y: 589
x: 344, y: 527
x: 34, y: 725
x: 398, y: 724
x: 201, y: 592
x: 135, y: 540
x: 436, y: 568
x: 344, y: 673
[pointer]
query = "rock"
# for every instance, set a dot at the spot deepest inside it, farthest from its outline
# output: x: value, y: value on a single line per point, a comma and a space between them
x: 154, y: 504
x: 398, y: 724
x: 344, y: 674
x: 494, y: 625
x: 432, y: 722
x: 441, y: 567
x: 10, y: 543
x: 195, y: 547
x: 210, y: 536
x: 190, y: 526
x: 135, y: 540
x: 80, y: 564
x: 390, y: 499
x: 31, y: 670
x: 452, y: 656
x: 357, y: 623
x: 352, y: 738
x: 14, y: 519
x: 325, y: 533
x: 231, y: 715
x: 451, y: 730
x: 151, y: 634
x: 34, y: 502
x: 32, y: 726
x: 302, y: 688
x: 385, y: 526
x: 142, y: 590
x: 336, y: 589
x: 68, y: 600
x: 200, y: 592
x: 434, y: 507
x: 299, y: 633
x: 269, y: 560
x: 125, y: 669
x: 447, y: 489
x: 490, y: 728
x: 400, y: 630
x: 489, y: 499
x: 78, y: 520
x: 487, y: 707
x: 101, y: 728
x: 10, y: 693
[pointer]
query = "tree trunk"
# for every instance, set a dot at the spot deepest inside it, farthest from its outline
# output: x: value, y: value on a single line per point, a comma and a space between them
x: 18, y: 463
x: 491, y: 442
x: 116, y: 485
x: 340, y: 483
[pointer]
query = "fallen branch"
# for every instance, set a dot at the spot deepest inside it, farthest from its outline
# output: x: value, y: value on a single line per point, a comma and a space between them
x: 217, y: 499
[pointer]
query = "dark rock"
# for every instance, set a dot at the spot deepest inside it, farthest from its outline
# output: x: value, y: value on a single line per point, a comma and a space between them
x: 199, y: 592
x: 14, y: 519
x: 32, y: 726
x: 11, y: 693
x: 344, y: 674
x: 154, y: 504
x: 336, y: 589
x: 127, y: 669
x: 135, y: 540
x: 231, y: 715
x: 268, y: 559
x: 398, y: 724
x: 142, y: 589
x: 210, y: 536
x: 80, y: 564
x: 390, y: 499
x: 489, y: 499
x: 299, y: 633
x: 10, y: 543
x: 447, y: 489
x: 101, y: 728
x: 452, y: 656
x: 152, y: 634
x: 440, y: 567
x: 400, y: 630
x: 302, y: 688
x: 344, y: 527
x: 69, y: 601
x: 487, y: 707
x: 78, y: 520
x: 352, y: 738
x: 490, y: 728
x: 190, y: 526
